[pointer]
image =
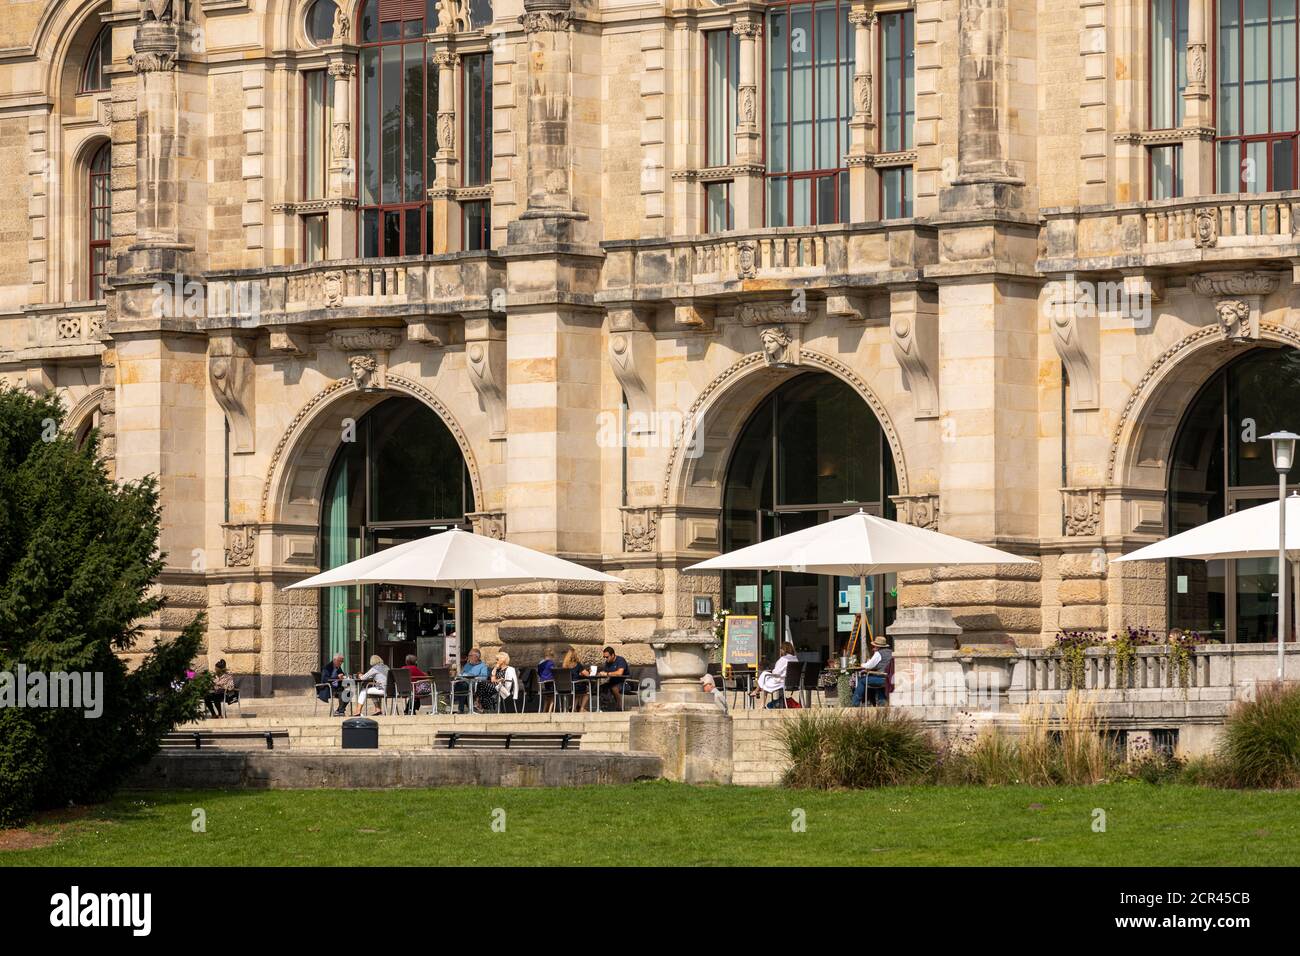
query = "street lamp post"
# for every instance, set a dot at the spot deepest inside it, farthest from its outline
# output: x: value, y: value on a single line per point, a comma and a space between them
x: 1283, y: 458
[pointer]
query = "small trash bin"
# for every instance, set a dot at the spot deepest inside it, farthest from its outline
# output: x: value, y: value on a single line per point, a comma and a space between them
x: 360, y: 733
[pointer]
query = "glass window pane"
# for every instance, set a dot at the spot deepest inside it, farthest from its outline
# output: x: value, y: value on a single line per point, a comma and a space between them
x: 1254, y: 169
x: 413, y: 121
x: 1166, y: 179
x: 717, y: 47
x: 717, y: 197
x: 370, y: 233
x: 1228, y: 164
x: 825, y: 451
x: 391, y: 91
x: 314, y: 133
x: 392, y: 233
x: 1227, y: 65
x: 320, y: 22
x: 777, y: 200
x: 1254, y: 64
x: 827, y: 204
x: 892, y: 39
x: 1162, y: 64
x: 1283, y: 166
x: 801, y: 90
x: 408, y: 439
x: 315, y: 248
x: 801, y: 202
x: 778, y: 114
x: 370, y: 160
x: 1283, y: 63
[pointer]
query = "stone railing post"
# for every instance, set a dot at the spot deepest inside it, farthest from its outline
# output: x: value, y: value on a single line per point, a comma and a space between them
x: 920, y: 678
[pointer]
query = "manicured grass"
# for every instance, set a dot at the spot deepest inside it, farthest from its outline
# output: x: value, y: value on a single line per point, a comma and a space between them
x: 671, y: 824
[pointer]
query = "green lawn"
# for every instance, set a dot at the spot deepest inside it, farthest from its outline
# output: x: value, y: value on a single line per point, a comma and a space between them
x: 663, y: 823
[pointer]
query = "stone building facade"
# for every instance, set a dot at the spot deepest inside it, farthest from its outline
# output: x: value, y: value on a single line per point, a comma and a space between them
x: 599, y: 240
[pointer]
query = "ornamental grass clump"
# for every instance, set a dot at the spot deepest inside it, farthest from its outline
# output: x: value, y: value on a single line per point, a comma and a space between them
x: 855, y: 749
x: 1261, y: 740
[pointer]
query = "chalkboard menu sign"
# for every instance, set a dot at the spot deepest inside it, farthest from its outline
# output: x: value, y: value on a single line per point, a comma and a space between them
x: 740, y: 641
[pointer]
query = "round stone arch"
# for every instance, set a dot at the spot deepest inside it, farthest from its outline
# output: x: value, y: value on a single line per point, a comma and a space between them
x: 1143, y: 437
x: 300, y: 463
x: 721, y: 410
x: 80, y: 413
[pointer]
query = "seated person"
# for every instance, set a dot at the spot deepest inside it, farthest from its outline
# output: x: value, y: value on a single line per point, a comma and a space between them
x: 773, y: 681
x: 545, y: 674
x: 871, y: 688
x: 333, y: 675
x: 223, y: 686
x: 378, y: 688
x: 474, y: 669
x: 615, y: 669
x: 578, y: 674
x: 709, y: 687
x: 421, y: 686
x: 502, y: 684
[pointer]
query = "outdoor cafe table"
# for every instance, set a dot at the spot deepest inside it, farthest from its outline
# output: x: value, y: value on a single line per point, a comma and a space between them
x: 355, y: 685
x: 596, y: 678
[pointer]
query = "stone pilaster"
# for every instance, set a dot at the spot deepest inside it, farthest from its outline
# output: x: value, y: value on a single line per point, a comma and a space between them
x: 446, y: 211
x: 342, y: 194
x: 747, y: 186
x: 548, y: 25
x: 1198, y: 117
x: 864, y: 191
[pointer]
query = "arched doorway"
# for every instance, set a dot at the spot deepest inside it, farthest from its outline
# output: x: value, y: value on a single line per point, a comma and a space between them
x: 811, y: 451
x: 398, y: 475
x: 1218, y: 466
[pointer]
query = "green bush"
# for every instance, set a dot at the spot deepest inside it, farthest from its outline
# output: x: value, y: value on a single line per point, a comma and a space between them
x: 857, y: 748
x: 1261, y: 740
x: 78, y: 558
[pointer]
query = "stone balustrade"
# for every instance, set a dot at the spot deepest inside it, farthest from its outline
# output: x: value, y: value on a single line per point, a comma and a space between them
x: 837, y: 256
x: 1170, y: 232
x: 1043, y: 675
x: 61, y: 330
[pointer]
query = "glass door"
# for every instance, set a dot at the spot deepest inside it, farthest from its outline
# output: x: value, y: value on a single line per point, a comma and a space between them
x: 1252, y: 584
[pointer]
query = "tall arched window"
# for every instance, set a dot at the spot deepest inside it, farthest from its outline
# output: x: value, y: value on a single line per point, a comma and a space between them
x: 94, y: 75
x: 399, y: 108
x: 99, y: 220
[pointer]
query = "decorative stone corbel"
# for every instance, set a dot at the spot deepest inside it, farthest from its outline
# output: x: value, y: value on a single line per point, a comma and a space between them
x: 1077, y: 338
x: 921, y: 511
x: 368, y: 354
x: 436, y: 335
x: 490, y: 524
x: 485, y: 360
x: 693, y: 315
x: 781, y: 345
x: 849, y: 308
x: 290, y: 341
x: 231, y: 373
x: 1082, y: 511
x: 640, y: 529
x: 632, y: 355
x: 914, y: 333
x: 1237, y: 300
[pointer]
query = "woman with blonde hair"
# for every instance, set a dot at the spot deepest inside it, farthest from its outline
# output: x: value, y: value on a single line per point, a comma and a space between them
x: 378, y: 688
x: 502, y: 684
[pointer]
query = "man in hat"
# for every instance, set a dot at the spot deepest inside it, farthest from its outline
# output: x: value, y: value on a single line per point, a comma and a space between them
x: 871, y: 688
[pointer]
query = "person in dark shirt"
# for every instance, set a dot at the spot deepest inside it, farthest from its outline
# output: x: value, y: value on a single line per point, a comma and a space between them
x: 614, y: 668
x: 332, y: 675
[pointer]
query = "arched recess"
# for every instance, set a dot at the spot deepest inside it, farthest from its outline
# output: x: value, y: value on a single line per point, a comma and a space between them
x: 1144, y: 435
x: 295, y: 476
x: 695, y: 479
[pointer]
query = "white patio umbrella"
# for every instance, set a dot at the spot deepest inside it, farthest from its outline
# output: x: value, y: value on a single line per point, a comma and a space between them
x: 858, y: 545
x: 1249, y: 533
x: 455, y: 559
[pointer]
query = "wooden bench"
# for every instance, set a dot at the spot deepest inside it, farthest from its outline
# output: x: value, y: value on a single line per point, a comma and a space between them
x: 493, y: 740
x: 197, y: 738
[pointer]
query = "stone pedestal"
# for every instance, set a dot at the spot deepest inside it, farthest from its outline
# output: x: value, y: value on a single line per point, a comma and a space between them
x: 683, y: 724
x: 921, y: 680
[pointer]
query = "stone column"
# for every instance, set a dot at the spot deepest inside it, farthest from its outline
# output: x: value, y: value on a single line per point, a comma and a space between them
x: 682, y: 724
x: 920, y: 678
x: 1198, y: 123
x: 986, y: 176
x: 446, y: 211
x: 864, y: 192
x: 548, y: 25
x: 747, y: 186
x: 342, y: 195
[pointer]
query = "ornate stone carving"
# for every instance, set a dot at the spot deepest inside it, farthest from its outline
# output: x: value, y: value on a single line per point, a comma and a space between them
x: 446, y: 60
x: 862, y: 94
x: 1195, y: 64
x: 159, y: 10
x: 341, y: 136
x: 1082, y: 511
x: 914, y: 336
x: 69, y: 327
x: 490, y: 524
x: 1238, y: 296
x: 485, y: 360
x: 342, y: 26
x: 453, y: 17
x: 920, y: 511
x: 231, y: 374
x: 745, y: 111
x: 365, y: 372
x: 779, y: 346
x: 547, y: 21
x: 342, y: 69
x: 632, y: 356
x: 771, y: 313
x: 746, y: 27
x: 240, y: 544
x: 152, y: 62
x: 446, y: 131
x: 365, y: 340
x: 332, y: 286
x: 747, y: 258
x: 1205, y: 228
x: 1078, y: 343
x: 640, y: 529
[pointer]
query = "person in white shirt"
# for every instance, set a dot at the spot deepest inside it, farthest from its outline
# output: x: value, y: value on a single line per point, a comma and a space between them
x: 773, y: 681
x: 710, y: 687
x: 504, y: 680
x: 378, y: 674
x: 871, y: 688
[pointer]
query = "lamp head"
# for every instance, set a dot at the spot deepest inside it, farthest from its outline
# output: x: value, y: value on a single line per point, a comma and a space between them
x: 1283, y: 450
